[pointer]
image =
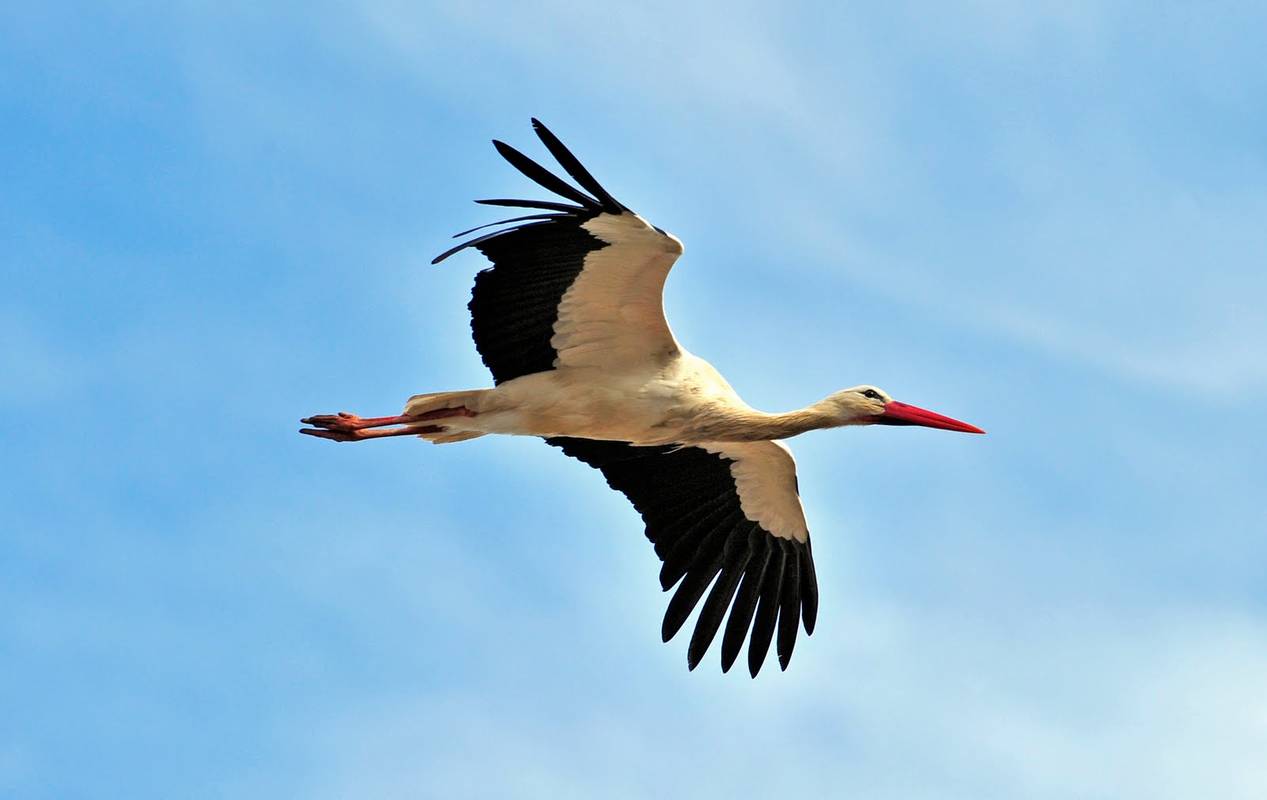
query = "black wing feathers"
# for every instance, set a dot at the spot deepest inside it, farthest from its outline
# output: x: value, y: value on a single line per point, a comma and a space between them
x: 515, y: 304
x: 688, y: 500
x: 746, y: 600
x: 507, y: 222
x: 735, y: 555
x: 767, y: 609
x: 809, y: 589
x: 479, y: 240
x: 542, y: 176
x: 693, y: 541
x: 574, y: 168
x: 507, y: 202
x: 688, y: 594
x: 789, y: 608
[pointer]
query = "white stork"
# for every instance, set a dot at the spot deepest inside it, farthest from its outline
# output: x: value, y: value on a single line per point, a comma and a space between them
x: 570, y: 321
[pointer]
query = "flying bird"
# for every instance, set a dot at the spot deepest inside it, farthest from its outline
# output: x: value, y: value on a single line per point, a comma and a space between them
x: 570, y: 321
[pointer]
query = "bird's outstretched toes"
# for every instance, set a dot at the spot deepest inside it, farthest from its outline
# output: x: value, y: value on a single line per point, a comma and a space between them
x: 341, y: 427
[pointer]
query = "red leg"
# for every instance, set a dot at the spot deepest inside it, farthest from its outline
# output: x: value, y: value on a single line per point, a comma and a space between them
x: 357, y: 435
x: 345, y: 421
x: 345, y: 427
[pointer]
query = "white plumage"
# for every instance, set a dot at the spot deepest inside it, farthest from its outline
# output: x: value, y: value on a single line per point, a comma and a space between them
x: 570, y: 320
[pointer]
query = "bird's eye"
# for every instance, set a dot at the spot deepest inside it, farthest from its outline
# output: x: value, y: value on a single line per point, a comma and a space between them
x: 871, y: 393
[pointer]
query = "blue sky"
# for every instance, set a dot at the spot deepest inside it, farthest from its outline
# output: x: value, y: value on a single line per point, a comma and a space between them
x: 1043, y: 218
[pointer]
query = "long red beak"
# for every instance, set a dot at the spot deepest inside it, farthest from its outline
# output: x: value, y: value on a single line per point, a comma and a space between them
x: 896, y: 413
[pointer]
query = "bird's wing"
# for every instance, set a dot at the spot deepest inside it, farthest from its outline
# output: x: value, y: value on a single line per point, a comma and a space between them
x: 577, y: 285
x: 726, y: 508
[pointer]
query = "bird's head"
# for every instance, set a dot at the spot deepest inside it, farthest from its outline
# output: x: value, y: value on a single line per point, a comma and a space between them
x: 870, y: 405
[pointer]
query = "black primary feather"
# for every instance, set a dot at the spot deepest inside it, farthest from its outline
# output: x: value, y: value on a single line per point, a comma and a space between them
x: 549, y: 205
x: 735, y: 557
x: 671, y: 529
x: 809, y: 589
x: 789, y: 608
x: 767, y: 611
x: 576, y: 169
x: 694, y: 542
x: 478, y: 240
x: 688, y: 594
x: 746, y: 599
x: 508, y: 221
x: 544, y: 177
x: 707, y: 541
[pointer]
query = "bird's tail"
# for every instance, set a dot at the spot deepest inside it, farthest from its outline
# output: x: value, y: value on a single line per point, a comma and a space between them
x: 442, y: 428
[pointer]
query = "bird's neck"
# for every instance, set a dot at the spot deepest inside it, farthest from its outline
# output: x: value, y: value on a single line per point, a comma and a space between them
x: 750, y: 425
x: 793, y: 423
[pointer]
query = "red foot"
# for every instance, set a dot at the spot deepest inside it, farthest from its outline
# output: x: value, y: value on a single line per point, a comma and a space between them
x: 343, y: 421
